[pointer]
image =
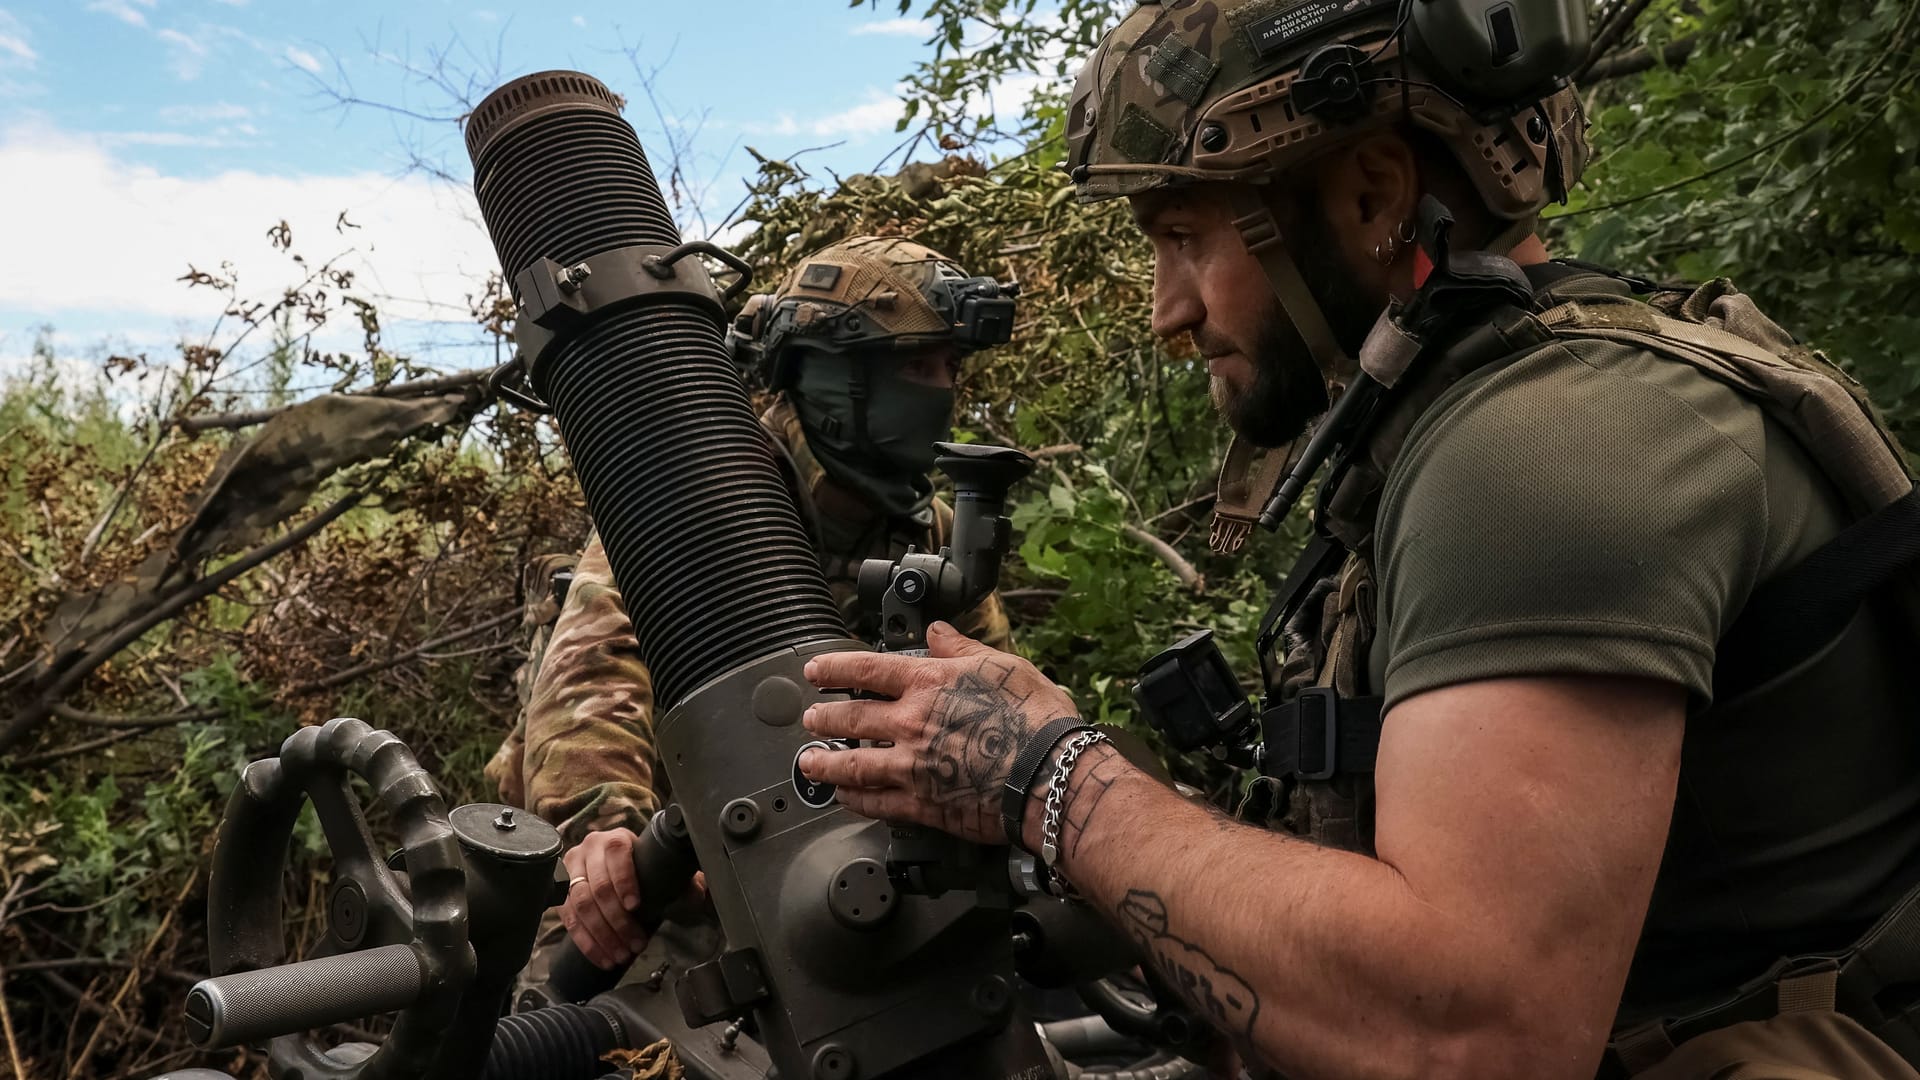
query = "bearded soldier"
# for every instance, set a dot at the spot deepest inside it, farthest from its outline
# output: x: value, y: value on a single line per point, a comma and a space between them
x: 1592, y: 745
x: 861, y: 345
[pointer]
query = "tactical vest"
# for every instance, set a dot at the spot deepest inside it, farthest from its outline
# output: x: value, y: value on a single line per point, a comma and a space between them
x: 1326, y: 726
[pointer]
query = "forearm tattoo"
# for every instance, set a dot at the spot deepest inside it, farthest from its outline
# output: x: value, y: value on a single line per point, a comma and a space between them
x: 1099, y: 769
x: 1223, y: 998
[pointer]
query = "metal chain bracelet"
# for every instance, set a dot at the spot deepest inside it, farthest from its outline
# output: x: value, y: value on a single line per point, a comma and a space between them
x: 1057, y: 796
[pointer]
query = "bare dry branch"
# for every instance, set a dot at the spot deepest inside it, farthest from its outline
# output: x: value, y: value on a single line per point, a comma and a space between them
x: 31, y: 717
x: 1174, y: 561
x: 415, y: 388
x: 1611, y: 33
x: 1635, y: 61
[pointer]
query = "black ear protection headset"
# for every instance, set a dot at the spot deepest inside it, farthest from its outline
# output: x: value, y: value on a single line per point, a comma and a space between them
x: 1486, y: 55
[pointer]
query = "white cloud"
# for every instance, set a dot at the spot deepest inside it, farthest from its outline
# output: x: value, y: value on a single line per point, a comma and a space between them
x: 418, y: 240
x: 14, y: 50
x: 199, y: 114
x: 185, y: 56
x: 302, y: 59
x: 156, y: 138
x: 127, y: 11
x: 580, y: 21
x: 919, y: 28
x: 878, y: 114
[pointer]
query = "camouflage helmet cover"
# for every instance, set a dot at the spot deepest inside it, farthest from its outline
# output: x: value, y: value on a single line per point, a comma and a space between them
x: 1189, y: 90
x: 863, y: 293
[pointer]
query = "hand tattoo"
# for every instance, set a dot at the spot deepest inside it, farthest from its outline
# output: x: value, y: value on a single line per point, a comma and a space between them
x: 978, y: 727
x: 1222, y: 997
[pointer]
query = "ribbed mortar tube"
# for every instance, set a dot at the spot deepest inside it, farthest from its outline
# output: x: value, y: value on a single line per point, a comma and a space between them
x: 701, y: 531
x: 561, y: 1042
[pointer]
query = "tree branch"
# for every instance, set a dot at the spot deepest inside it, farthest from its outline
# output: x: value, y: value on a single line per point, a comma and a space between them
x: 158, y: 720
x: 48, y: 757
x: 1032, y: 594
x: 1635, y: 61
x: 416, y: 388
x: 25, y: 721
x: 1610, y: 34
x: 1174, y: 561
x: 185, y: 716
x: 187, y: 978
x: 349, y: 674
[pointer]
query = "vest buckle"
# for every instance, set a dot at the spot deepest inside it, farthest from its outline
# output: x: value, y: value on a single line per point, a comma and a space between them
x: 1316, y: 733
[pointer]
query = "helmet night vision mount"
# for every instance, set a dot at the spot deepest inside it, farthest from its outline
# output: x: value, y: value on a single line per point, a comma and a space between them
x: 870, y: 293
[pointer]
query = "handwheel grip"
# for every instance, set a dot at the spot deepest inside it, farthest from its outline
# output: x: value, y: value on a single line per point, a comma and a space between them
x: 244, y: 915
x: 664, y: 863
x: 249, y: 1006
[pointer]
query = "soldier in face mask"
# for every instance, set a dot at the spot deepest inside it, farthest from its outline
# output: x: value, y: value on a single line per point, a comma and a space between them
x: 860, y: 346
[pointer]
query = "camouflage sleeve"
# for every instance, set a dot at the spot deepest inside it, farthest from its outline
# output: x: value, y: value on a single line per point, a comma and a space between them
x: 987, y: 623
x: 590, y: 761
x: 538, y: 611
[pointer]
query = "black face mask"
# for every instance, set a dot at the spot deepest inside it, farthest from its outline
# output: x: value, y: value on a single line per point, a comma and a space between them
x: 885, y: 454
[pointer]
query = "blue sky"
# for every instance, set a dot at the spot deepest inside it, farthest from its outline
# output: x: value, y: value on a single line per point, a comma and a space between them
x: 138, y: 136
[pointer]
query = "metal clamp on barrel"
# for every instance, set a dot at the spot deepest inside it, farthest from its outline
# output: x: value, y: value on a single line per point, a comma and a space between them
x: 556, y: 302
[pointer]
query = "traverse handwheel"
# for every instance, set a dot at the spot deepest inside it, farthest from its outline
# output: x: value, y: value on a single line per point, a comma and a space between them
x: 391, y: 944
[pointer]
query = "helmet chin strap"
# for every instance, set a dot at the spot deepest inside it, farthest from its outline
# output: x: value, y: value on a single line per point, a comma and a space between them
x: 1260, y: 232
x: 1363, y: 384
x: 1284, y: 479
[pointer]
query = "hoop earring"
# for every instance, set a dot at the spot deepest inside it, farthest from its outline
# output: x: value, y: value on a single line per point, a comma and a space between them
x: 1385, y: 250
x: 1407, y: 232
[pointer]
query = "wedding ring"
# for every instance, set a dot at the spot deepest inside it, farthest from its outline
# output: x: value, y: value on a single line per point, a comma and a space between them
x: 575, y: 881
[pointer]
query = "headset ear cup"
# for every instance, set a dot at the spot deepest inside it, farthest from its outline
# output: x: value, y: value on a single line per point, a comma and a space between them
x: 780, y: 367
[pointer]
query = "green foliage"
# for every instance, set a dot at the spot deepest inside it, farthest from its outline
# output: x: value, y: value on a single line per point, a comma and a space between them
x: 988, y: 55
x: 1781, y: 154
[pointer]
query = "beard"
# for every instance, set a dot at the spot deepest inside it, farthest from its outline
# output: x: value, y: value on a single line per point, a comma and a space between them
x: 1289, y: 391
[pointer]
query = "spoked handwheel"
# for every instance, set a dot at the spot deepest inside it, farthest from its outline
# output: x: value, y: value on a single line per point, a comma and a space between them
x: 390, y: 946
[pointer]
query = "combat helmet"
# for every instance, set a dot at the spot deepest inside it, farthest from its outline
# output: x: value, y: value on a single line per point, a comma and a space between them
x: 831, y: 337
x: 870, y: 294
x: 1194, y: 90
x: 1187, y: 90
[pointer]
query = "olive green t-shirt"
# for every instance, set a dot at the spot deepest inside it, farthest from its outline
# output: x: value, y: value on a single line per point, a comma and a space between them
x: 1591, y: 508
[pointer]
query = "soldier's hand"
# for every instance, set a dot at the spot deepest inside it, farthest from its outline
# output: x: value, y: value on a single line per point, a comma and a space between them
x: 602, y: 898
x: 947, y: 740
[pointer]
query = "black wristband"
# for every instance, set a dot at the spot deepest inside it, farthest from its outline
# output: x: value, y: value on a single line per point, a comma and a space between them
x: 1026, y: 772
